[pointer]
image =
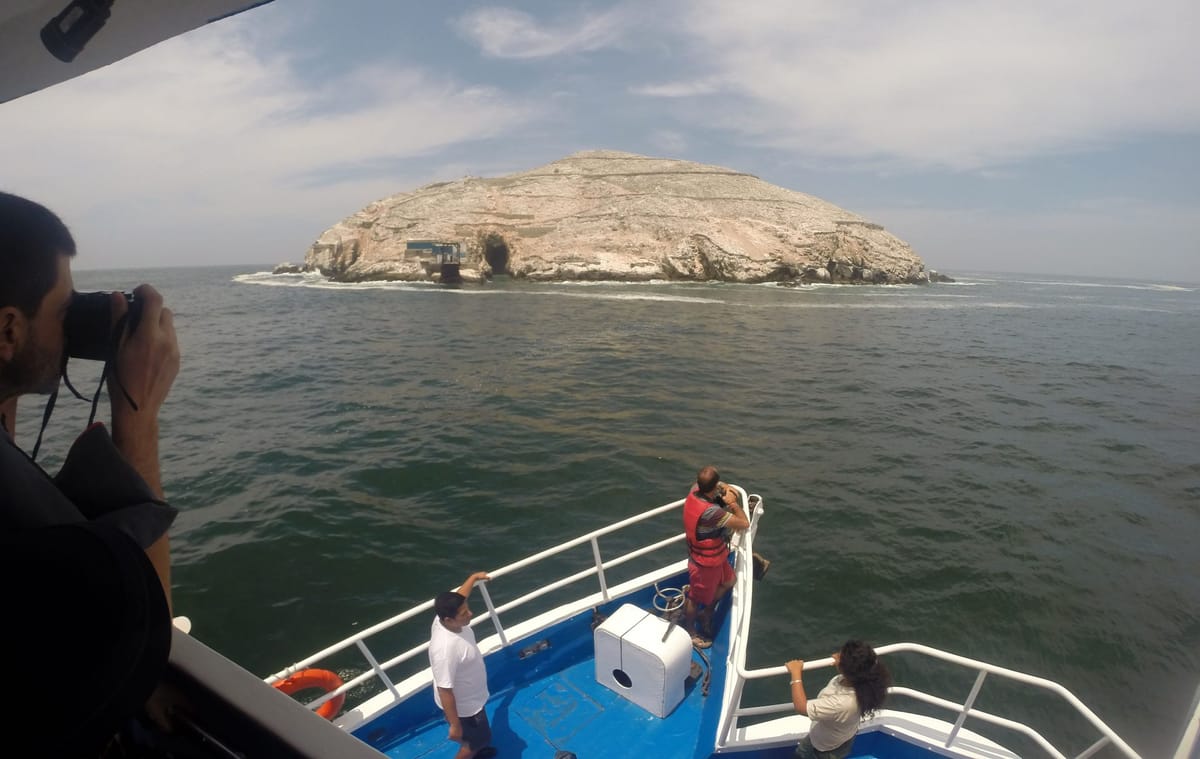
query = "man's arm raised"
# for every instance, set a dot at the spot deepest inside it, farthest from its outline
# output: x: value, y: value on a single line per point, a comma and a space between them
x: 737, y: 516
x: 146, y: 366
x: 464, y: 590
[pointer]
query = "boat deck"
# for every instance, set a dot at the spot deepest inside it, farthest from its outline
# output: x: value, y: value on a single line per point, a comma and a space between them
x: 567, y: 710
x: 545, y: 698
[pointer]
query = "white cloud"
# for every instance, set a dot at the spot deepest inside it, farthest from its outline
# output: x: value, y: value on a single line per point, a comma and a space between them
x: 681, y: 89
x: 508, y: 33
x: 960, y: 85
x: 203, y: 134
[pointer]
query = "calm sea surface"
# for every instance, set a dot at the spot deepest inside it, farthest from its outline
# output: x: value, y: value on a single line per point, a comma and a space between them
x: 1007, y: 468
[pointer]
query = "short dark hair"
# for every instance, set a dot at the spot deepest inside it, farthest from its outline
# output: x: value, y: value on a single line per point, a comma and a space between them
x: 31, y: 240
x: 707, y: 478
x: 448, y: 603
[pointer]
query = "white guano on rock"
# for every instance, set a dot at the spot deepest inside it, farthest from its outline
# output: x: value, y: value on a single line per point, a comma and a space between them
x: 604, y: 215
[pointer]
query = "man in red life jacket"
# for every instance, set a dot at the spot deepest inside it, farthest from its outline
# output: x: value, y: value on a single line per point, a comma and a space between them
x: 711, y: 513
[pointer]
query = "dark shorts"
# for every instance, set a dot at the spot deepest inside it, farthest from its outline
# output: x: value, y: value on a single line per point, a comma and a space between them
x: 806, y: 751
x: 476, y: 732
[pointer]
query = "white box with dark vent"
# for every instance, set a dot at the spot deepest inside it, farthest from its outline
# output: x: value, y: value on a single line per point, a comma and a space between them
x: 633, y: 659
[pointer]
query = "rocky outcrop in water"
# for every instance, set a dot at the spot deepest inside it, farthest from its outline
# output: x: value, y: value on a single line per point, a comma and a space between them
x: 603, y: 215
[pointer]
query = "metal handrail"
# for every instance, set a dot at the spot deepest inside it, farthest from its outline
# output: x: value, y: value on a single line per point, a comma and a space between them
x: 1189, y: 740
x: 742, y: 547
x: 965, y: 709
x: 378, y: 670
x: 737, y: 659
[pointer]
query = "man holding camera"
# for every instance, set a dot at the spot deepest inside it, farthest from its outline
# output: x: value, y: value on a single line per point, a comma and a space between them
x: 711, y: 513
x: 88, y: 548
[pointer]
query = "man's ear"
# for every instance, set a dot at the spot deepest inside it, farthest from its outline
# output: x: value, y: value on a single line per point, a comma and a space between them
x: 12, y: 331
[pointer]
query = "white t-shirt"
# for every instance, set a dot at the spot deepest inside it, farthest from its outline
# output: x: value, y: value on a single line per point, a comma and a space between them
x: 834, y: 714
x: 457, y: 664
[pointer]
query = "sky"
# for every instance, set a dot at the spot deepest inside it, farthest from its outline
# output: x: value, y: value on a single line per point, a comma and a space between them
x: 1053, y: 137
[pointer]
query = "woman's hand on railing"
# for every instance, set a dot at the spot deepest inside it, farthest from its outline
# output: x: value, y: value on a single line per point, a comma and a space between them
x: 755, y: 674
x: 795, y: 668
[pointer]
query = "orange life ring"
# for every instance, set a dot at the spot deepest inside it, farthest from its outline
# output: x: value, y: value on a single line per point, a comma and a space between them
x: 307, y: 679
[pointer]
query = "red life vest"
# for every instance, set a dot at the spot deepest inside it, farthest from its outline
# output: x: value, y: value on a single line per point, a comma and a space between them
x: 708, y: 552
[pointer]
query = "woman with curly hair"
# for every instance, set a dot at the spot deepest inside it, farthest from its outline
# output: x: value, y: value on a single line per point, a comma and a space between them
x: 853, y: 694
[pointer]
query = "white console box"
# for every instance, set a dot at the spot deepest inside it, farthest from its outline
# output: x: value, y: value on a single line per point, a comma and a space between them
x: 631, y: 642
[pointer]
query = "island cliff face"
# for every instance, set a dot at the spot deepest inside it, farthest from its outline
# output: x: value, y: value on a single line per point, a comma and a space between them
x: 603, y: 215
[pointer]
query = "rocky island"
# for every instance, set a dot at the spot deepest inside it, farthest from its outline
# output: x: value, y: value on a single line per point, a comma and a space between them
x: 605, y: 215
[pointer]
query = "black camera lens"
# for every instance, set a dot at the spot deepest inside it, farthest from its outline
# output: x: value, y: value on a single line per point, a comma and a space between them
x: 88, y: 325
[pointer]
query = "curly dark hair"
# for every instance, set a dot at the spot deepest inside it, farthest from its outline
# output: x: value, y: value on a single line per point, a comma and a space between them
x: 869, y: 677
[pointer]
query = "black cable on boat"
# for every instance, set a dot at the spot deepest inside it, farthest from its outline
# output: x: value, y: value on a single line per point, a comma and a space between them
x: 707, y: 672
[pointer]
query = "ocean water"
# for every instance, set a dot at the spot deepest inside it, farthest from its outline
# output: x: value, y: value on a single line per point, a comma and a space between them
x: 1007, y: 467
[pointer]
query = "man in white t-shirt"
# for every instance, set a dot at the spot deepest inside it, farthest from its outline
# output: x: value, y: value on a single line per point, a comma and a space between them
x: 459, y: 676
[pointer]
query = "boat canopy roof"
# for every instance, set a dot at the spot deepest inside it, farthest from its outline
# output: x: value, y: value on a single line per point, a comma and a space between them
x: 27, y: 64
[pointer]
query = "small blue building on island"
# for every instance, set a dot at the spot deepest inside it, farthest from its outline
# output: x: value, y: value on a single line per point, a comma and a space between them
x: 446, y: 255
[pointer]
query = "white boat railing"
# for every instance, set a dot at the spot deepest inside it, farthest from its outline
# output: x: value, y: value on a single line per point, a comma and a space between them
x: 377, y: 669
x: 727, y: 739
x: 1189, y: 741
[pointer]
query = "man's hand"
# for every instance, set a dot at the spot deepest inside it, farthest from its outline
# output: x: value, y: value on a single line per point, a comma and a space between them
x: 147, y: 361
x: 795, y: 668
x: 728, y: 495
x: 464, y: 590
x: 456, y: 732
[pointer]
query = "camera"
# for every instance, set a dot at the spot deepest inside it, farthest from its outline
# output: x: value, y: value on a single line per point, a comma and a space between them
x: 88, y: 325
x: 68, y: 33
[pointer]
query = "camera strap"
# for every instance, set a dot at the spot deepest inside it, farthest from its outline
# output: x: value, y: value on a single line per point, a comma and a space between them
x: 109, y: 363
x: 115, y: 345
x: 45, y: 420
x: 62, y: 372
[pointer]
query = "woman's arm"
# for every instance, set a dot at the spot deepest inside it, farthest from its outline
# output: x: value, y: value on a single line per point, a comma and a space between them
x: 795, y: 669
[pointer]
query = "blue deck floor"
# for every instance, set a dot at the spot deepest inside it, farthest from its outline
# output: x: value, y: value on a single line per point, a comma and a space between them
x: 568, y: 710
x: 551, y: 702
